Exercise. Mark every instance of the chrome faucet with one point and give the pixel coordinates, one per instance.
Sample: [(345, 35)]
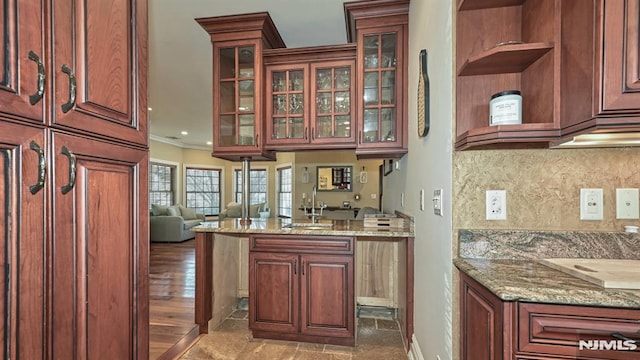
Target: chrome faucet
[(313, 215)]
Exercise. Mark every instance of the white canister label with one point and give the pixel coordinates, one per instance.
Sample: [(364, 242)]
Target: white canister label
[(506, 110)]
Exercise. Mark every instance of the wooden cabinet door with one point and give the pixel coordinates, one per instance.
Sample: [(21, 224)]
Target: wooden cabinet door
[(333, 103), (381, 101), (327, 295), (481, 323), (22, 67), (100, 246), (98, 68), (287, 102), (621, 62), (22, 227), (274, 292)]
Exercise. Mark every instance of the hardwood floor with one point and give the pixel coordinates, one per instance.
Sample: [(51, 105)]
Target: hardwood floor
[(171, 296)]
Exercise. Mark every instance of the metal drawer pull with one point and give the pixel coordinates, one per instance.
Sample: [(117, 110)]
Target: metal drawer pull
[(72, 89), (295, 267), (302, 267), (34, 98), (619, 336), (42, 168), (72, 170)]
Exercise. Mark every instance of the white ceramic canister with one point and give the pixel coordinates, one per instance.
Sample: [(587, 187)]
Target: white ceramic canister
[(505, 108)]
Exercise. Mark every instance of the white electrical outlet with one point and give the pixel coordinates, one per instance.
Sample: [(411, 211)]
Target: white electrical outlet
[(421, 199), (627, 206), (437, 202), (591, 204), (496, 204)]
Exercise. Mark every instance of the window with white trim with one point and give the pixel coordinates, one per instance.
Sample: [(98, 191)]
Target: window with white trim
[(284, 191), (257, 186), (161, 188), (202, 188)]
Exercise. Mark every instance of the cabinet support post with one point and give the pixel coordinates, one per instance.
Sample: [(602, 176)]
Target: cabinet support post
[(246, 179)]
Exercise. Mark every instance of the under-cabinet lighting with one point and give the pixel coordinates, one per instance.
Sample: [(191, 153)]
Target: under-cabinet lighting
[(600, 140)]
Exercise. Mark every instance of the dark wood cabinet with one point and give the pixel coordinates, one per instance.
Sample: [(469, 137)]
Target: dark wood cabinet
[(575, 63), (380, 30), (327, 295), (309, 94), (74, 186), (98, 69), (501, 46), (273, 292), (481, 323), (24, 240), (302, 288), (238, 81), (99, 243), (22, 61), (491, 328), (606, 74)]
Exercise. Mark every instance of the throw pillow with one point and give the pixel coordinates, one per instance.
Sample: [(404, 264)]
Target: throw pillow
[(158, 210), (254, 210), (234, 211), (173, 210), (187, 213)]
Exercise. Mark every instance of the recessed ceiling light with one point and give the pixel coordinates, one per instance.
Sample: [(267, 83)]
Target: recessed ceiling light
[(184, 133), (209, 142)]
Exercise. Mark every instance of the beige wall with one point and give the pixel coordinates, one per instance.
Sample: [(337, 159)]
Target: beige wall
[(543, 186), (182, 157), (311, 160)]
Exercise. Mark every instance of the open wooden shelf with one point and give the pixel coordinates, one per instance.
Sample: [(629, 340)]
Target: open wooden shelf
[(503, 135), (503, 59)]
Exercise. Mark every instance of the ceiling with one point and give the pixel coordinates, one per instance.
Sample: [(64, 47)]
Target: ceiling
[(180, 55)]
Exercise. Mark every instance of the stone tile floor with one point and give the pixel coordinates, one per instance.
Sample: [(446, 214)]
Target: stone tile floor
[(378, 338)]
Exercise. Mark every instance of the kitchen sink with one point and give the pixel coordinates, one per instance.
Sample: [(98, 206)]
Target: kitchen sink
[(308, 226)]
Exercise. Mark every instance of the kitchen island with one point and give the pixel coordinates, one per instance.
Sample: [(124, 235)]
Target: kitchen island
[(301, 279)]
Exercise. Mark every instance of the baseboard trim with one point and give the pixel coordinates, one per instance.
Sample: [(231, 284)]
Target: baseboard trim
[(415, 353)]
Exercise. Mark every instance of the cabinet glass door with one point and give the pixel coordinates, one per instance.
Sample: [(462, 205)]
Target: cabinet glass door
[(333, 103), (332, 106), (380, 73), (236, 98), (288, 112)]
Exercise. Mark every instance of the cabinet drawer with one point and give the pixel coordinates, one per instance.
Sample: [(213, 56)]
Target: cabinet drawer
[(302, 244), (558, 329)]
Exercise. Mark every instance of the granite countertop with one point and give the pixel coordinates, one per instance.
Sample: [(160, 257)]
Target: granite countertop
[(507, 263), (278, 226), (528, 280)]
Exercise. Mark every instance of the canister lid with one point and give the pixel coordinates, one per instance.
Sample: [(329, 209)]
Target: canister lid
[(507, 92)]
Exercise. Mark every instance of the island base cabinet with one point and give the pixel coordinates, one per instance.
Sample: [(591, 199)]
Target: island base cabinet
[(327, 295), (300, 296)]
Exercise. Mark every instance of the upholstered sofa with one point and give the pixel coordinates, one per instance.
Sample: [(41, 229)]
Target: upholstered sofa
[(173, 223), (234, 210)]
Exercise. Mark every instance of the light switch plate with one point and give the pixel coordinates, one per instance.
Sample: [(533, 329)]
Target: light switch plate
[(627, 204), (591, 204), (437, 201)]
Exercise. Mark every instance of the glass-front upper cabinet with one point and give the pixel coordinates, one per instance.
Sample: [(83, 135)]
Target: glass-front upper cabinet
[(238, 83), (332, 113), (236, 97), (380, 88), (287, 104), (310, 103), (380, 31)]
